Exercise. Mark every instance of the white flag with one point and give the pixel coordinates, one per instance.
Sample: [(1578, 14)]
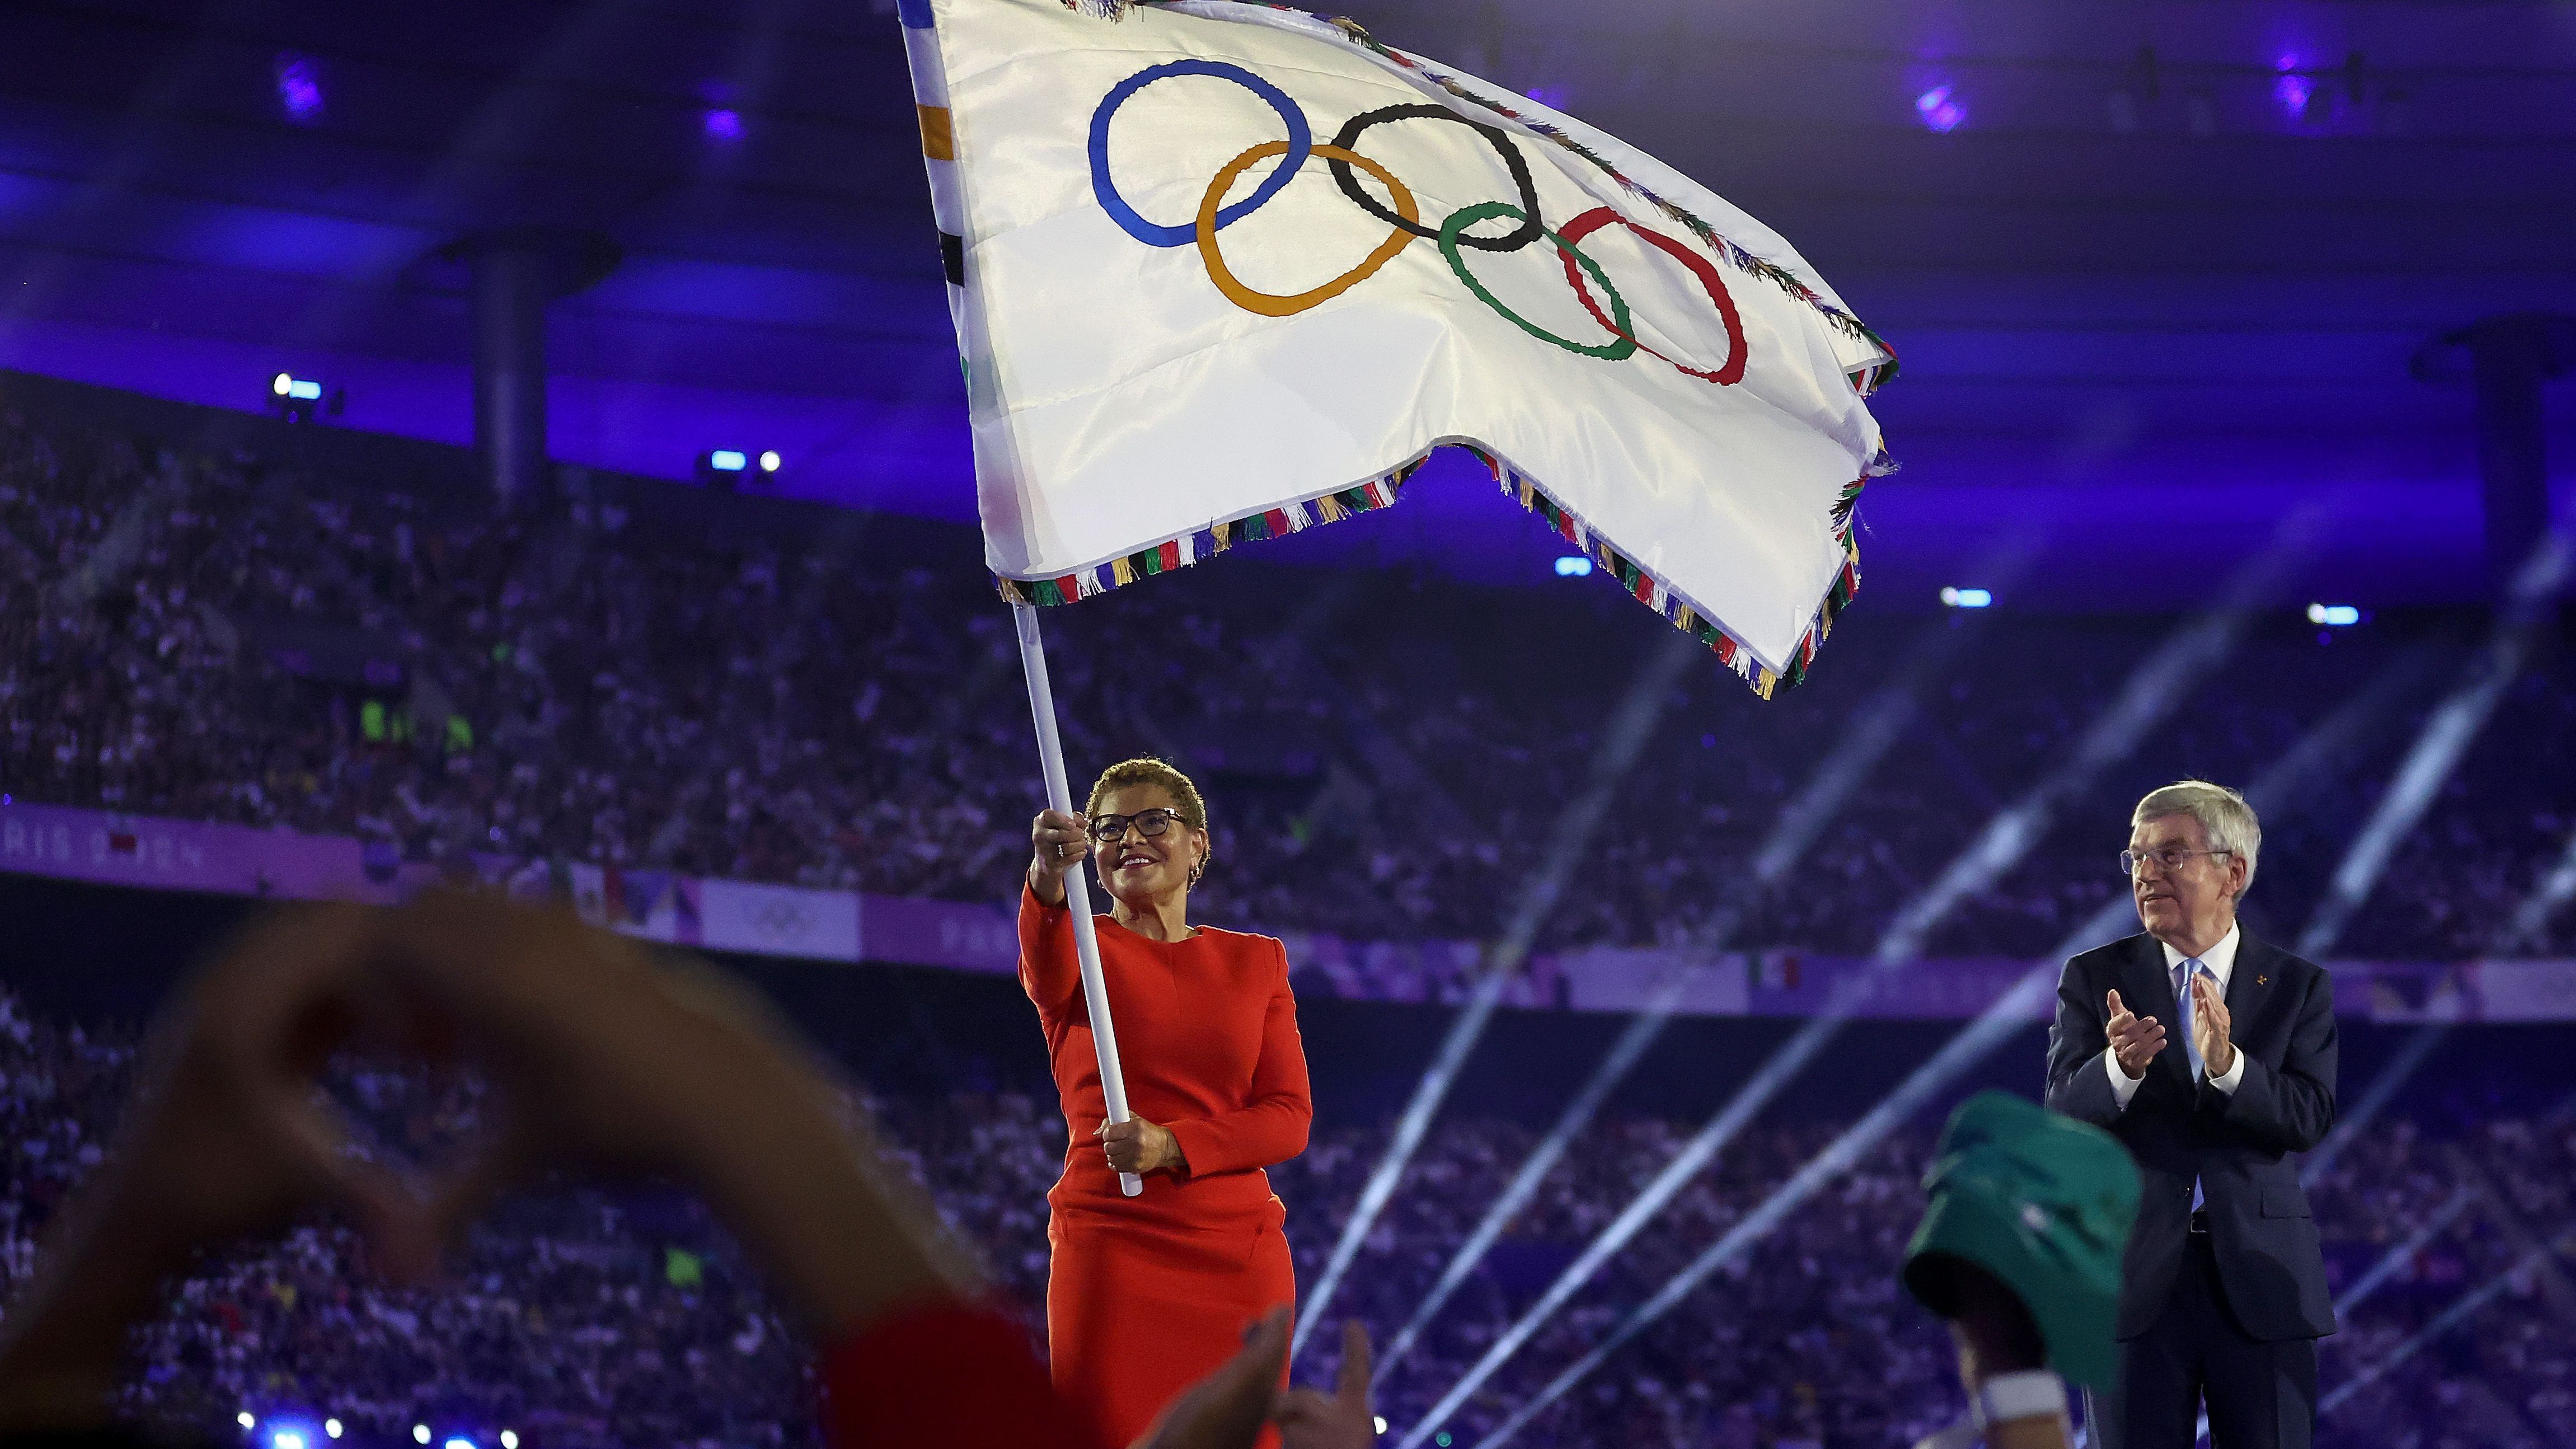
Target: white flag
[(1222, 271)]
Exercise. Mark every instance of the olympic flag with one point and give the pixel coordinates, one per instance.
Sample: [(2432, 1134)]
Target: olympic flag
[(1190, 320)]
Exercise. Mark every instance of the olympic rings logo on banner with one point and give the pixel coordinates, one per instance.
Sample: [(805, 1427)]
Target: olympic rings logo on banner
[(1583, 274)]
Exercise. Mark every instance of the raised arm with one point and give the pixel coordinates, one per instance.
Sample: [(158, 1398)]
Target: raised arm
[(1049, 972), (1271, 1127)]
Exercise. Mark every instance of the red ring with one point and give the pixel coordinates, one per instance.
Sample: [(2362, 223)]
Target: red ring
[(1700, 267)]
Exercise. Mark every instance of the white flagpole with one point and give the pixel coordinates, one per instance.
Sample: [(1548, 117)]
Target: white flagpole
[(1077, 894)]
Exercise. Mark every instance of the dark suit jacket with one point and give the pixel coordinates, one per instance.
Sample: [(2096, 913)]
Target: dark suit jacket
[(2239, 1147)]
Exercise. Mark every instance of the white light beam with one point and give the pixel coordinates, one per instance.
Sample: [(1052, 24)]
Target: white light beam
[(1630, 727), (1874, 730), (2152, 692)]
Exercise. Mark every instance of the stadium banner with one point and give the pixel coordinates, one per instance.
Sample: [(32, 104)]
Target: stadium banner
[(651, 904), (1951, 989), (826, 926), (1321, 964), (1608, 979), (185, 855), (776, 920), (1224, 271), (2527, 991), (954, 935)]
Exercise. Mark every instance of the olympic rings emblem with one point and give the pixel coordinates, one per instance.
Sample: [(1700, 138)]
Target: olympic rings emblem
[(1583, 273)]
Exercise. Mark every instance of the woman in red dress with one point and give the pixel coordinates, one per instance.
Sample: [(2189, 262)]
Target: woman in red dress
[(1147, 1295)]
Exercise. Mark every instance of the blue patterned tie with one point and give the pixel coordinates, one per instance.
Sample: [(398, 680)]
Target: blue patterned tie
[(2183, 1011), (2183, 975)]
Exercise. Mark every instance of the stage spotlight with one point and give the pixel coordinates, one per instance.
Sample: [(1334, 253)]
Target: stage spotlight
[(301, 399), (1874, 729), (285, 1439), (245, 1419), (2154, 688), (331, 1427), (299, 87), (1630, 724), (724, 125), (2443, 1322), (2334, 616), (2405, 1255), (1380, 1421), (726, 469), (420, 1433), (2293, 90), (1967, 598), (509, 1439), (1573, 566), (460, 1442), (1940, 110), (2444, 738)]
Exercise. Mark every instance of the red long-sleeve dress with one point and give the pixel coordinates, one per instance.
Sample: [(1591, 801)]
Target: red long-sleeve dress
[(1147, 1295)]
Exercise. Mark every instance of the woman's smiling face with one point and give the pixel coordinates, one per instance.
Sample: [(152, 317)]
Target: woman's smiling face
[(1137, 867)]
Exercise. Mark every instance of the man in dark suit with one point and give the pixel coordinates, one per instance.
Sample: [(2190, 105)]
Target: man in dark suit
[(2211, 1056)]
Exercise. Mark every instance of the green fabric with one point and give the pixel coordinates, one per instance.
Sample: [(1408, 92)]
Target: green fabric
[(2044, 1203)]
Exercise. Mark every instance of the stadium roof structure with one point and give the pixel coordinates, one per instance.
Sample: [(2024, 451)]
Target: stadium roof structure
[(2157, 270)]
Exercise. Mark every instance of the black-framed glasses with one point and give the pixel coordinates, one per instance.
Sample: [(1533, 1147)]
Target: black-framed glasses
[(1148, 823), (2170, 857)]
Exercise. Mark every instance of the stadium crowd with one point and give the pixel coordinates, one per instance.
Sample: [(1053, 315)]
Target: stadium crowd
[(211, 636), (585, 1316)]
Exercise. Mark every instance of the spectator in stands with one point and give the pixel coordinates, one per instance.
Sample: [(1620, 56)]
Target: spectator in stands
[(212, 637)]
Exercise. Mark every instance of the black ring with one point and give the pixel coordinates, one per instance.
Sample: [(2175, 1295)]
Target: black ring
[(1528, 231)]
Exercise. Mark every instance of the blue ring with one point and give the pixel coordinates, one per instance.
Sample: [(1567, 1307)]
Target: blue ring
[(1301, 144)]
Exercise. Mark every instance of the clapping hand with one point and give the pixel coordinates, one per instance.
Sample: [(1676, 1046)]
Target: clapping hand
[(2135, 1040), (2209, 1027)]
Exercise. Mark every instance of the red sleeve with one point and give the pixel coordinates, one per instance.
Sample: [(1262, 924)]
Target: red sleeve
[(943, 1375), (1049, 971), (1271, 1127)]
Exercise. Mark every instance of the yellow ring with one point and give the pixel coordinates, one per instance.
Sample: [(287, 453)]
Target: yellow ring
[(1265, 303)]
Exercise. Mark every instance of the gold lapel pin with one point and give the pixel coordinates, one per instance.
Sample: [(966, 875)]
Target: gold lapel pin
[(2262, 980)]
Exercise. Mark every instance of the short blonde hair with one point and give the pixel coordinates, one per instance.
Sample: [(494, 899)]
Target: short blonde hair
[(1186, 804), (2225, 819)]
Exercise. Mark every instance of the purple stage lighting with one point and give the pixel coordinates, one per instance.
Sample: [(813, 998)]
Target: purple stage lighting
[(1940, 110), (2293, 89), (299, 88), (724, 125)]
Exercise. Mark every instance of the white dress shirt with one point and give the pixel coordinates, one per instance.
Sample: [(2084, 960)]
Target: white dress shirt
[(2220, 962)]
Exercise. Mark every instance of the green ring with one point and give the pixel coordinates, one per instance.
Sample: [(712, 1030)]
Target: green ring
[(1467, 216)]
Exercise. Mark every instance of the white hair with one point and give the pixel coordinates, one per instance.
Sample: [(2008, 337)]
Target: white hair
[(2225, 819)]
